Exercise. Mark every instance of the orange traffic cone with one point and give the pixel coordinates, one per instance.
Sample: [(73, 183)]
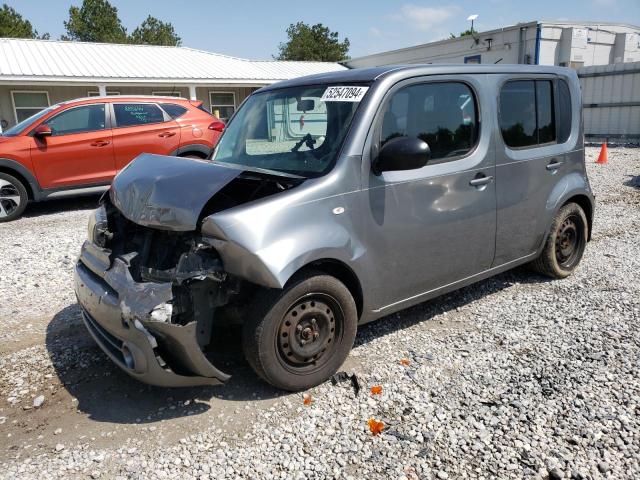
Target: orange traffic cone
[(603, 158)]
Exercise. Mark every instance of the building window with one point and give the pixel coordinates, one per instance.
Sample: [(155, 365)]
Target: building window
[(167, 94), (527, 115), (26, 104), (96, 93), (472, 59), (223, 104)]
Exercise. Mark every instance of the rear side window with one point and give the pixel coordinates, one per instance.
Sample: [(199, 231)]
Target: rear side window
[(443, 114), (88, 118), (130, 114), (527, 114), (564, 111), (173, 110)]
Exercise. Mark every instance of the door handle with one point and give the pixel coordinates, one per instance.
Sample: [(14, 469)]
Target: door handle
[(554, 165), (167, 134), (100, 143), (480, 180)]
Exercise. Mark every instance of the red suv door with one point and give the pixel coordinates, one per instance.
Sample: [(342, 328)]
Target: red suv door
[(142, 128), (79, 150)]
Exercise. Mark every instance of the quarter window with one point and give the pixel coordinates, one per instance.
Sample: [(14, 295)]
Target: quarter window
[(223, 104), (29, 103), (88, 118), (443, 114), (527, 115), (564, 111), (130, 114), (173, 110)]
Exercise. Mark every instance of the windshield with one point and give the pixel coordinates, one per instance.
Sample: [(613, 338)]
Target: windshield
[(16, 129), (295, 130)]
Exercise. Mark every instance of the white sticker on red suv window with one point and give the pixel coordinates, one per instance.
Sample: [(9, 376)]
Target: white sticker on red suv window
[(344, 94)]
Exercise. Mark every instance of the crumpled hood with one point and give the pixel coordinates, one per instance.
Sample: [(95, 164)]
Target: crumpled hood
[(168, 192)]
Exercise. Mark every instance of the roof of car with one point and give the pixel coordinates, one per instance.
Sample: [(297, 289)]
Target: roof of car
[(366, 75)]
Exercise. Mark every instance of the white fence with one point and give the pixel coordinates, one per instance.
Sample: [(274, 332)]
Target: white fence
[(611, 102)]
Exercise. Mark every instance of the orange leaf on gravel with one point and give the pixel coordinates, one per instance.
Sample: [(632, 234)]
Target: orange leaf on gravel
[(376, 389), (306, 399), (404, 361), (375, 426)]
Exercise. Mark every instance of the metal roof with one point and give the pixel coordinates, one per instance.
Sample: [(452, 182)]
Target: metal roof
[(49, 60)]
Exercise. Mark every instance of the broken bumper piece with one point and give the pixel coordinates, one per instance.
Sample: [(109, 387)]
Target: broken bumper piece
[(130, 322)]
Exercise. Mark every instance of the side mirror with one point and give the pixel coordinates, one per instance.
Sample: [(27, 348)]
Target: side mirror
[(217, 126), (42, 131), (403, 153)]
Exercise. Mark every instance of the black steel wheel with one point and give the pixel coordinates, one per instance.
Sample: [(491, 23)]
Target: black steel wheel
[(310, 332), (298, 337), (569, 241), (565, 243)]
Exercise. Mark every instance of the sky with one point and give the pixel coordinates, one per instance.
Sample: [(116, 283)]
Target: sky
[(253, 29)]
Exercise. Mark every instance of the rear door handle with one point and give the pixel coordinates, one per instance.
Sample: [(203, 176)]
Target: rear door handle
[(554, 165), (481, 180), (100, 143), (167, 134)]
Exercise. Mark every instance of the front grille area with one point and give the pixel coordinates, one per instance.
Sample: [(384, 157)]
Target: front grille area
[(108, 341)]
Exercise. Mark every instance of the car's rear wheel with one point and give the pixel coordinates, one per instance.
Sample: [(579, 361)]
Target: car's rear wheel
[(565, 244), (13, 197), (298, 337)]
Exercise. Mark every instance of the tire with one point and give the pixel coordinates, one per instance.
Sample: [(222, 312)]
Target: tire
[(193, 155), (13, 197), (297, 337), (565, 243)]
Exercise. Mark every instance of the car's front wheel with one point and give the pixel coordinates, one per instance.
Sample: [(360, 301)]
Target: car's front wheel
[(13, 197), (297, 337), (565, 244)]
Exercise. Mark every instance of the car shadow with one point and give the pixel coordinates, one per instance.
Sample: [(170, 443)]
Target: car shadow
[(48, 207), (106, 394), (634, 181)]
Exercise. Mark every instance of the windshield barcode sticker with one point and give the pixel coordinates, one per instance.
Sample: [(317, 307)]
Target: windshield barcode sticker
[(344, 94)]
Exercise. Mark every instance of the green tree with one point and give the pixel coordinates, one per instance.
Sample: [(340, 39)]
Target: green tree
[(316, 43), (155, 32), (466, 33), (12, 25), (95, 21)]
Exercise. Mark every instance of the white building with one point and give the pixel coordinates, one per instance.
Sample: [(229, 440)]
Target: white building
[(570, 44), (37, 73)]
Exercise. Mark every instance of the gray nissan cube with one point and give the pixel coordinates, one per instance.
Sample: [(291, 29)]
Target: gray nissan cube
[(331, 201)]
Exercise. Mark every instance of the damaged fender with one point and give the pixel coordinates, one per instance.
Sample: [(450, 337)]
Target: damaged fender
[(267, 242)]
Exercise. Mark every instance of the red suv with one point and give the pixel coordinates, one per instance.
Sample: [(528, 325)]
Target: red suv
[(77, 147)]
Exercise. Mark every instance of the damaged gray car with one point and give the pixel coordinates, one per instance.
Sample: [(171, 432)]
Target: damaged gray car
[(331, 201)]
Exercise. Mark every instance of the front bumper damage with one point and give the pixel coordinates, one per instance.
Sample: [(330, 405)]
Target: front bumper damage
[(131, 320)]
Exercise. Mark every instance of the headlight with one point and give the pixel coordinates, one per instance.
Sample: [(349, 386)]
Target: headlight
[(98, 228)]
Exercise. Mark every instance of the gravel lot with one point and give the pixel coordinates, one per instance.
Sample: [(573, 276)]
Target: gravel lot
[(514, 377)]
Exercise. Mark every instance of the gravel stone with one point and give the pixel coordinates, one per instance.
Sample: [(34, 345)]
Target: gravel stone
[(513, 377)]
